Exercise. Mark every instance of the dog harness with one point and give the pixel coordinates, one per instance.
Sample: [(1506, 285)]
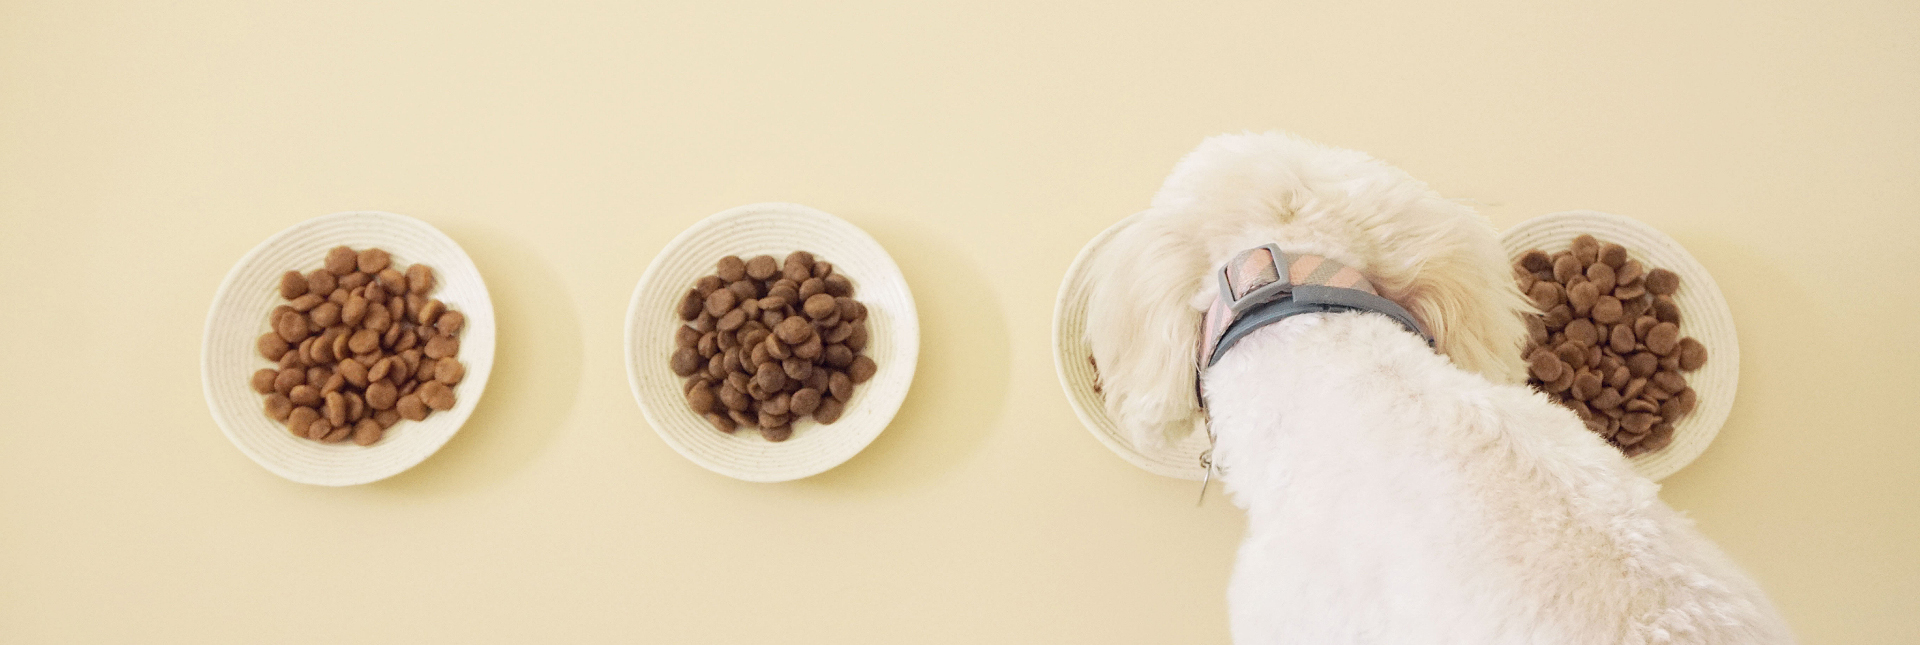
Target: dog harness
[(1264, 285)]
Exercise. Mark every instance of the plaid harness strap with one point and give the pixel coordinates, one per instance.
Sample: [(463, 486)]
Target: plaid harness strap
[(1264, 285)]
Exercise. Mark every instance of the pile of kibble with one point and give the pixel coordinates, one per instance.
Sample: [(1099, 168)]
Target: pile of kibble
[(1608, 345), (768, 342), (359, 346)]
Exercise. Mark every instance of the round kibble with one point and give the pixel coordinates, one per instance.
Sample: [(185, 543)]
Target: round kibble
[(321, 283), (292, 285), (450, 322), (1663, 338), (1601, 276), (411, 407), (778, 434), (1607, 309), (829, 411), (419, 280), (731, 268), (1661, 282), (341, 260), (278, 406), (820, 305), (861, 369), (373, 260), (1693, 354), (762, 267), (793, 330)]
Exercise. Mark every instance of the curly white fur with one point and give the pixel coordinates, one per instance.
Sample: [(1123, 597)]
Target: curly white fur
[(1394, 495)]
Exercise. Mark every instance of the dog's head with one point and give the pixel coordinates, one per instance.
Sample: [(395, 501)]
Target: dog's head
[(1438, 259)]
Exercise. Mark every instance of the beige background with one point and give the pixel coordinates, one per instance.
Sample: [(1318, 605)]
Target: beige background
[(145, 147)]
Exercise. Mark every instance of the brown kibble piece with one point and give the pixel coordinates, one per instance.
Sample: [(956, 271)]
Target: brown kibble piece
[(442, 347), (1643, 364), (419, 280), (305, 395), (292, 285), (720, 302), (776, 434), (861, 369), (354, 373), (1670, 382), (1693, 354), (685, 361), (373, 261), (318, 429), (762, 267), (386, 418), (820, 305), (1586, 385), (300, 419), (700, 398), (812, 287), (382, 395), (1582, 331), (1665, 310), (1607, 310), (732, 320), (1585, 248), (1535, 261), (1613, 255), (1607, 399), (1601, 276), (278, 406), (436, 395), (838, 285), (1581, 297), (292, 329), (1544, 365), (1545, 295), (792, 331), (1661, 282), (692, 305), (271, 345), (721, 422), (334, 408), (363, 341), (770, 377), (449, 371), (321, 283), (1565, 268), (411, 407), (838, 356), (1621, 340), (263, 380), (1663, 338), (731, 268), (367, 432), (829, 411), (450, 322), (840, 386), (340, 260)]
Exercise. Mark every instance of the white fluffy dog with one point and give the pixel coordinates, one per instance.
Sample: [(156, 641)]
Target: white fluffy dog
[(1395, 492)]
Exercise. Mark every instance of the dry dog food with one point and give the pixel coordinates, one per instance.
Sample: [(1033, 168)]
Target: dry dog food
[(1608, 345), (767, 342), (358, 346)]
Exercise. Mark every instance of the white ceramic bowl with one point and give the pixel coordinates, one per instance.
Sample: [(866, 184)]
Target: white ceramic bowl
[(1703, 315), (772, 229), (1071, 355), (228, 357)]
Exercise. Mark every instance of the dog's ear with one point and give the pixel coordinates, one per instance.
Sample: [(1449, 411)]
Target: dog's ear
[(1463, 291), (1143, 327)]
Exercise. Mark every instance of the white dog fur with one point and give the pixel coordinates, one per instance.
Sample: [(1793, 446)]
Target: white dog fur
[(1393, 494)]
